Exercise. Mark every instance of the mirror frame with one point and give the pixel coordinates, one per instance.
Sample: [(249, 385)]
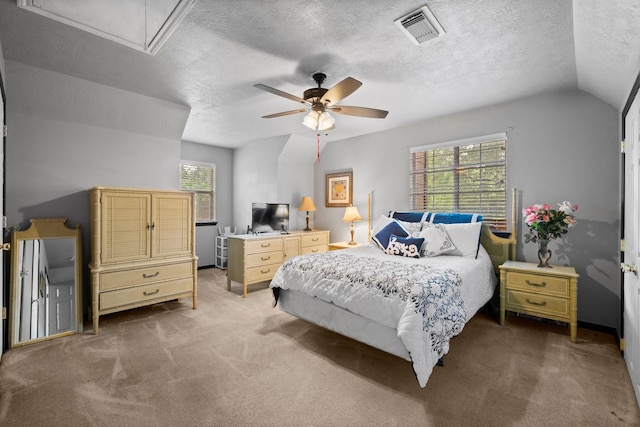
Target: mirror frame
[(44, 228)]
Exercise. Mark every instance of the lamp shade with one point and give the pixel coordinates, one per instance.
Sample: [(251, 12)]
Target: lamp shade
[(307, 204), (351, 214)]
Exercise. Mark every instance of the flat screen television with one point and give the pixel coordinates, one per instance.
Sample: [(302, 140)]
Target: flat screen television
[(269, 217)]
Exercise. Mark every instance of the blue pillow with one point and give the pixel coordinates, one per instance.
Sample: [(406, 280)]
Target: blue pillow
[(408, 247), (454, 218), (382, 237), (410, 216)]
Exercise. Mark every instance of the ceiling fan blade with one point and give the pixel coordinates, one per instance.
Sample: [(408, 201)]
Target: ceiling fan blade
[(285, 113), (360, 111), (281, 93), (341, 90)]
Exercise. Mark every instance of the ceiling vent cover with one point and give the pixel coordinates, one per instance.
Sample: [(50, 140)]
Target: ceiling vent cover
[(420, 25)]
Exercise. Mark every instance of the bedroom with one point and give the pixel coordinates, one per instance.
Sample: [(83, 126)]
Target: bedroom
[(68, 133)]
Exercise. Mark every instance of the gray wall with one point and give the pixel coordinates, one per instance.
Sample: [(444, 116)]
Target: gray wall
[(561, 146), (223, 159)]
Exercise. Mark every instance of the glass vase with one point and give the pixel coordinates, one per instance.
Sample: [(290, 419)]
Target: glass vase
[(544, 253)]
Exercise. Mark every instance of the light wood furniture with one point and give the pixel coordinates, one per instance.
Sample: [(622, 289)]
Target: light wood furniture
[(342, 245), (142, 248), (550, 293), (255, 258)]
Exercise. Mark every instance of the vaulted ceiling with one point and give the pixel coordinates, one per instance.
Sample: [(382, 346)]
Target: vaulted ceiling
[(492, 51)]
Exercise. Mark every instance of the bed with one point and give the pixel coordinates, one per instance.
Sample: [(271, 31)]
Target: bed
[(405, 303)]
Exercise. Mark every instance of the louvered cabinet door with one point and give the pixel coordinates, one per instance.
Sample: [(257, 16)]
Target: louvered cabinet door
[(171, 225), (125, 227)]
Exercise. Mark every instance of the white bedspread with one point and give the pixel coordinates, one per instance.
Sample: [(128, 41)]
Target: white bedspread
[(427, 300)]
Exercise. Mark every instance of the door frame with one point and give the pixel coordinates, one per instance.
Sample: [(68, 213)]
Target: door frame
[(4, 255)]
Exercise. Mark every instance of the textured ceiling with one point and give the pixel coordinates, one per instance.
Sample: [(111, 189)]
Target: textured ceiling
[(493, 51)]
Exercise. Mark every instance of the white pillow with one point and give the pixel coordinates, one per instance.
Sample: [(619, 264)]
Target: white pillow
[(436, 240), (466, 238), (380, 225), (413, 228)]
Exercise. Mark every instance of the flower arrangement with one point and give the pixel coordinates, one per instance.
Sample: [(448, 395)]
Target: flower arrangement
[(545, 223)]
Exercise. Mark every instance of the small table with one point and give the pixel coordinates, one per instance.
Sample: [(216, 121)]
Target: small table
[(550, 293), (342, 245)]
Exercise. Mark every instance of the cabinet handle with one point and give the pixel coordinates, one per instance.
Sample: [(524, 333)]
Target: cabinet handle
[(314, 239), (265, 245), (265, 259), (540, 285), (153, 225), (314, 250), (146, 294), (265, 271), (541, 304), (148, 276)]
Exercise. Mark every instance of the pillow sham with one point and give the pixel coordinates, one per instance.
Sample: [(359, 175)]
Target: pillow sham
[(383, 230), (413, 228), (436, 240), (403, 246), (465, 237), (409, 216), (453, 218)]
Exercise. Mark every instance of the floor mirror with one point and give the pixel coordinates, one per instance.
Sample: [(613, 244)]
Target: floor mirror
[(46, 282)]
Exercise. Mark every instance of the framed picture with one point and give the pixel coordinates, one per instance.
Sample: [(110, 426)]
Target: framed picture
[(339, 189)]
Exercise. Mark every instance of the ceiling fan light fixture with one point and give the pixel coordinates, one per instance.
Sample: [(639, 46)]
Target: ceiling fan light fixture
[(326, 121), (311, 120)]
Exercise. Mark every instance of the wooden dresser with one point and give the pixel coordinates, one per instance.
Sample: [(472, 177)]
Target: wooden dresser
[(142, 248), (550, 293), (255, 258)]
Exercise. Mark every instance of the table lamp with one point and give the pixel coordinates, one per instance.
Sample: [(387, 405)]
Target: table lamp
[(351, 214), (307, 205)]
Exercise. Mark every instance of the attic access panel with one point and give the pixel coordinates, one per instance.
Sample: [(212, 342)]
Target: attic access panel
[(137, 24)]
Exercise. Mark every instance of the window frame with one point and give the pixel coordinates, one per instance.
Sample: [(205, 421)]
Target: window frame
[(498, 219), (214, 202)]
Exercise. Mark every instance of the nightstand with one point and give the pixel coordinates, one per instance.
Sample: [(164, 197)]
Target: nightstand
[(342, 245), (550, 293)]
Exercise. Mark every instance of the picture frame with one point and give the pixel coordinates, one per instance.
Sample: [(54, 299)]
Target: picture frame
[(339, 187)]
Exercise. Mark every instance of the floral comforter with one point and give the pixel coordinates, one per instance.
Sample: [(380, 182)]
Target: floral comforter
[(422, 302)]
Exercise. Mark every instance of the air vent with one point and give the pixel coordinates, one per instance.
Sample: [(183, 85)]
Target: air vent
[(420, 25)]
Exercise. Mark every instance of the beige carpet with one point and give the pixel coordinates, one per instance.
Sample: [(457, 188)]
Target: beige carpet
[(235, 362)]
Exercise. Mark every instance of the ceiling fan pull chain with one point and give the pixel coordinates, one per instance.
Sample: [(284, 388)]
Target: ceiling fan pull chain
[(318, 140)]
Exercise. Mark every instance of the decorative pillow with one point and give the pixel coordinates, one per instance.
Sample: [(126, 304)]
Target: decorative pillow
[(453, 218), (466, 238), (413, 228), (436, 240), (409, 247), (382, 235), (410, 216)]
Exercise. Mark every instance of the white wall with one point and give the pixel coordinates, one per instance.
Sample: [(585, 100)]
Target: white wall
[(561, 146)]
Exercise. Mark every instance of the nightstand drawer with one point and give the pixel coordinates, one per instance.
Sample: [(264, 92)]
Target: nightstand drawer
[(548, 285), (528, 303), (314, 249)]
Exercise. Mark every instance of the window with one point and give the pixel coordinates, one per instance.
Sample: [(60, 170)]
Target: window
[(467, 176), (200, 178)]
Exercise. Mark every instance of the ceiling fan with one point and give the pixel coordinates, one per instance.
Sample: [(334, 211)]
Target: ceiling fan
[(319, 101)]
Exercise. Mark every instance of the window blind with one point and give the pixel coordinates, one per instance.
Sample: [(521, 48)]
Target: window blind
[(199, 178)]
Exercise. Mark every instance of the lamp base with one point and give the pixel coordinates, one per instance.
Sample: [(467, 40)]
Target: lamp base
[(308, 228), (353, 242)]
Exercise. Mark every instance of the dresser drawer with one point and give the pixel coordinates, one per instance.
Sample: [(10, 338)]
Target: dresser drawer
[(314, 249), (262, 273), (265, 258), (529, 303), (314, 240), (137, 294), (138, 276), (260, 246), (548, 285)]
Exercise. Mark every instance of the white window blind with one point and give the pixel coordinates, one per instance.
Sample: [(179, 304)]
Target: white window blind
[(200, 179), (467, 176)]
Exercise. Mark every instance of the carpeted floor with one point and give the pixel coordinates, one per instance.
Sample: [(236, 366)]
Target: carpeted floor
[(236, 362)]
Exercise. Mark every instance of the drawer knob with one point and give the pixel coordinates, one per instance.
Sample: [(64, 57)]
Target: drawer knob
[(541, 304), (146, 294), (540, 285), (148, 276)]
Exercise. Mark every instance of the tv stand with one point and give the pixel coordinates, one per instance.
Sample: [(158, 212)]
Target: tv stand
[(256, 258)]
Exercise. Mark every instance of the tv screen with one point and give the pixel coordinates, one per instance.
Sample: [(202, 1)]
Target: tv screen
[(268, 217)]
